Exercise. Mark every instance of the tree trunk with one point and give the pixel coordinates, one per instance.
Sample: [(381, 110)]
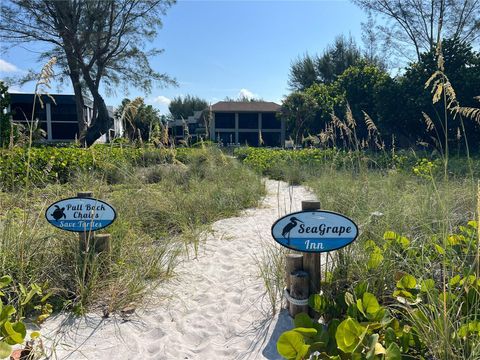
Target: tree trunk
[(101, 123), (80, 104), (66, 26)]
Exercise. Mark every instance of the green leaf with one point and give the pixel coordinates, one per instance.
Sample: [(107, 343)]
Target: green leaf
[(349, 335), (16, 332), (318, 302), (375, 260), (369, 306), (407, 282), (360, 289), (390, 336), (403, 241), (7, 311), (291, 345), (372, 341), (455, 280), (303, 320), (390, 235), (427, 285), (5, 350), (306, 332), (440, 249), (5, 280), (34, 335), (393, 352)]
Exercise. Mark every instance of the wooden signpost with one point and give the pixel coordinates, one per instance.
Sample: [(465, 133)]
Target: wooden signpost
[(312, 232), (85, 215)]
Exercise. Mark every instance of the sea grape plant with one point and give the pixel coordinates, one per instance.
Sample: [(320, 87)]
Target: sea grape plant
[(357, 326), (13, 330)]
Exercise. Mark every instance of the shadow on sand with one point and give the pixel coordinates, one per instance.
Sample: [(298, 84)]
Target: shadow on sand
[(283, 324)]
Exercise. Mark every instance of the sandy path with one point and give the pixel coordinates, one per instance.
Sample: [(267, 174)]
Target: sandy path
[(216, 308)]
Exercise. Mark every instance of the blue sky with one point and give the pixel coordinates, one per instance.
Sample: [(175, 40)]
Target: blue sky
[(225, 48)]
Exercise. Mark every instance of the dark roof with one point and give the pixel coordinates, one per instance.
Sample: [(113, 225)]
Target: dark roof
[(254, 106)]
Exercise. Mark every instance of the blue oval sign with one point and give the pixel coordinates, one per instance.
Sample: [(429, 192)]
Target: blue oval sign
[(80, 214), (314, 231)]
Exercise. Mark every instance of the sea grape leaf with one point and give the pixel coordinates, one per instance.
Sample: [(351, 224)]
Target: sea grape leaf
[(349, 335), (318, 302), (393, 352), (390, 235), (16, 332), (440, 249), (291, 345), (360, 289), (473, 224), (369, 306), (303, 320), (455, 280), (403, 241), (407, 282), (5, 280), (427, 285), (306, 332), (375, 260), (5, 350), (372, 341)]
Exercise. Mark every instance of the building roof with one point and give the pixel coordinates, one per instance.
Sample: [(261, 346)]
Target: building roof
[(246, 106), (59, 98)]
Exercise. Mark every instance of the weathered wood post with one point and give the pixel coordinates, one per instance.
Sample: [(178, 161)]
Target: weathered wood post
[(293, 262), (85, 237), (312, 261), (89, 240), (298, 293)]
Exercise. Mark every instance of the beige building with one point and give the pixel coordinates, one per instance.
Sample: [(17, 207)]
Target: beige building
[(254, 123)]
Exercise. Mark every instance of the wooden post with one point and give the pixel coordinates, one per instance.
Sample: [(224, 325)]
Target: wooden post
[(102, 243), (85, 237), (298, 291), (293, 262), (312, 261)]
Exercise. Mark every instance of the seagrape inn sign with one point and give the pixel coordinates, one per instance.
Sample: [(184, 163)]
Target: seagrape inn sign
[(314, 231), (80, 214)]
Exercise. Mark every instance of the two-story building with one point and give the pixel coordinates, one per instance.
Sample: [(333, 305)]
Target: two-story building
[(254, 123), (57, 118)]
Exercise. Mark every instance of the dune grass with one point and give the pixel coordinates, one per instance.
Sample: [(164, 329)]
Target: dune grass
[(162, 212)]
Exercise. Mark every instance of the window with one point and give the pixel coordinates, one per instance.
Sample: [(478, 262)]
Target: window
[(248, 138), (271, 139), (270, 121), (248, 121), (225, 120), (64, 112), (64, 131)]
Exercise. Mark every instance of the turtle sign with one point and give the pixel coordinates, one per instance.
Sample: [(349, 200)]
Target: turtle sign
[(80, 214), (314, 231)]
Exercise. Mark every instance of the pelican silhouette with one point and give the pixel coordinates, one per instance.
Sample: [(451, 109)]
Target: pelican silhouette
[(288, 228)]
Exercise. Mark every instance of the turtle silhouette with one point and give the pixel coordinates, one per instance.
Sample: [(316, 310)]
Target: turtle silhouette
[(58, 213)]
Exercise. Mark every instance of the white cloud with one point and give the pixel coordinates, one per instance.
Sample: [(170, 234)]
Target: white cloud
[(162, 100), (7, 67), (246, 94), (15, 90)]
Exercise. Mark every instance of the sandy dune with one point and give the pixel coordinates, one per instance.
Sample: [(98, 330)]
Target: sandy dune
[(215, 306)]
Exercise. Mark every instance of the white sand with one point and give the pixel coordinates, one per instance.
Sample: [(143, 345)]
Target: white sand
[(216, 307)]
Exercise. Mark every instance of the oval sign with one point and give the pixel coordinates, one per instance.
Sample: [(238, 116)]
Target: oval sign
[(80, 214), (314, 231)]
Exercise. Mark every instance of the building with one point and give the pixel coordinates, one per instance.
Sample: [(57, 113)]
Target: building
[(253, 123), (193, 126), (58, 119)]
